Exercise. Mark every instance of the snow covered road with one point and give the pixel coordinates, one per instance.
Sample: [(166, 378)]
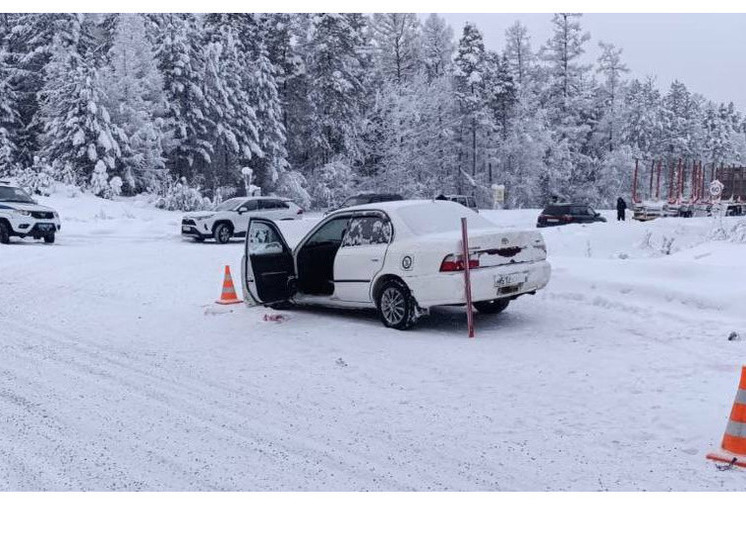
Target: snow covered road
[(118, 373)]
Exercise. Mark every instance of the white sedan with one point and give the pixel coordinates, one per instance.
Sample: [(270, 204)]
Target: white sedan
[(399, 257), (231, 218)]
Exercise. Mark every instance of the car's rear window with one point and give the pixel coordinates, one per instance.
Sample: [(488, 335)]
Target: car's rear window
[(556, 210), (440, 217)]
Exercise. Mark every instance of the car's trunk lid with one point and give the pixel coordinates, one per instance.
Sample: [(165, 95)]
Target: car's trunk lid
[(497, 247)]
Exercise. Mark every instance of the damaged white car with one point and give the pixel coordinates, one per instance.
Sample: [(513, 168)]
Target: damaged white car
[(401, 258)]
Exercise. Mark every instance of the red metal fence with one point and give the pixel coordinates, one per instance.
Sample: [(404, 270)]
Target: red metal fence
[(686, 181)]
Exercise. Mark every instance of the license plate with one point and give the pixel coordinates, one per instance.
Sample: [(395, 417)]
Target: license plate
[(510, 279), (186, 228), (552, 219), (45, 226)]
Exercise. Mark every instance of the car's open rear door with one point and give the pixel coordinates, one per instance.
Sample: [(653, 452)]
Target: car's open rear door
[(268, 263)]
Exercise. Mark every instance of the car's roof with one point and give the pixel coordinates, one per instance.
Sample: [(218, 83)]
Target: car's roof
[(390, 205), (567, 204), (259, 198), (393, 210), (394, 206)]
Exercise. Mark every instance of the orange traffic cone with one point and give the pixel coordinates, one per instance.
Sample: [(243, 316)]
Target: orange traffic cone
[(733, 448), (228, 296)]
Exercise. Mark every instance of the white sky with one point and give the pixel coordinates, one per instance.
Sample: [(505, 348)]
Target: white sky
[(705, 51)]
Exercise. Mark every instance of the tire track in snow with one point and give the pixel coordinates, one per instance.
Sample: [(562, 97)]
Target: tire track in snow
[(173, 396), (423, 471)]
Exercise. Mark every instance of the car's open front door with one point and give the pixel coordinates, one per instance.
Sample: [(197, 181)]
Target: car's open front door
[(268, 263)]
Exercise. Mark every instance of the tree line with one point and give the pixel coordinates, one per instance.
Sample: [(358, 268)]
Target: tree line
[(319, 106)]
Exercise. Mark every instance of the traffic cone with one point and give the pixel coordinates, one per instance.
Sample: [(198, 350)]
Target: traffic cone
[(228, 296), (733, 446)]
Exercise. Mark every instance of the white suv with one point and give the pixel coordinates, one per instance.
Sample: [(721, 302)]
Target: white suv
[(231, 218), (21, 216)]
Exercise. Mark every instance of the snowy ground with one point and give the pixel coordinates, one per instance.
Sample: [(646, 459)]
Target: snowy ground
[(118, 373)]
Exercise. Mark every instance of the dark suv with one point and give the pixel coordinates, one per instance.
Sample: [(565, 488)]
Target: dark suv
[(562, 214)]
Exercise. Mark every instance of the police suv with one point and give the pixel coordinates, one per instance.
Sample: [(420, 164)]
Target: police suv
[(21, 216)]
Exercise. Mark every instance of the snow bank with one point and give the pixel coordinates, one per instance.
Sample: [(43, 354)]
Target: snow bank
[(664, 265)]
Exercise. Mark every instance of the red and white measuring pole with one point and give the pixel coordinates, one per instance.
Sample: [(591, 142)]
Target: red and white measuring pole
[(467, 276)]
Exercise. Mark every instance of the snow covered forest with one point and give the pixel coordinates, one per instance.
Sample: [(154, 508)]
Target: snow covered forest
[(320, 106)]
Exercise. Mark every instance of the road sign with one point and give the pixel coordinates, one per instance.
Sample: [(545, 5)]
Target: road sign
[(716, 188)]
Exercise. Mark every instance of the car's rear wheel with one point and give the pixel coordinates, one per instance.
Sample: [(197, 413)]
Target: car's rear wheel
[(492, 307), (49, 238), (396, 306), (222, 233), (4, 233)]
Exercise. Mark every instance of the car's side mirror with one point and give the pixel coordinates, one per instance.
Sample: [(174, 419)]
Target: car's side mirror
[(242, 210)]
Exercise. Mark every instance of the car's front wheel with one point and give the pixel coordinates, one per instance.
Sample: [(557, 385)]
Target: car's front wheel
[(492, 307), (4, 233), (222, 233), (49, 238), (396, 306)]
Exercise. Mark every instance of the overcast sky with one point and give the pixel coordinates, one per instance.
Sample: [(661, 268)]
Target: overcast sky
[(705, 51)]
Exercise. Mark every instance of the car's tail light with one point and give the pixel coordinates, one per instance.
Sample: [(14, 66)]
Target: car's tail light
[(300, 211), (455, 263)]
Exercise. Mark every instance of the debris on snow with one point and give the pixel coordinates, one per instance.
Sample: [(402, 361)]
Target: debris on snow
[(729, 466), (214, 309)]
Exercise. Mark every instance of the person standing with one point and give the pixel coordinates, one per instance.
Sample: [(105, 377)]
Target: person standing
[(621, 208)]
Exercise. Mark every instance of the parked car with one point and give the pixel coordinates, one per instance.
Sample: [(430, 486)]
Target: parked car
[(21, 216), (727, 208), (401, 258), (647, 211), (231, 218), (563, 214), (467, 201), (367, 198)]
